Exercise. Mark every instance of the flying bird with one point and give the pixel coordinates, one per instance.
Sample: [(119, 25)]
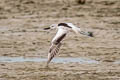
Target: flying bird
[(63, 29)]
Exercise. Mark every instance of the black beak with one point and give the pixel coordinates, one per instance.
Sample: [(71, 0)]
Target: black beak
[(90, 34), (46, 28)]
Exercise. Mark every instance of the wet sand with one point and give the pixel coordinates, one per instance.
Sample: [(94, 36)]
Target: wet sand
[(22, 35), (69, 71)]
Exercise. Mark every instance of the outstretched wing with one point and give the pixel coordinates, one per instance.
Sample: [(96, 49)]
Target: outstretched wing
[(74, 28), (54, 49), (78, 30)]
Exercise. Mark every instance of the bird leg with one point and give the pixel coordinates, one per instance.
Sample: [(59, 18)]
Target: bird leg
[(87, 33)]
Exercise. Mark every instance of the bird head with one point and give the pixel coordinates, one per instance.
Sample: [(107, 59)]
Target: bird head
[(53, 26)]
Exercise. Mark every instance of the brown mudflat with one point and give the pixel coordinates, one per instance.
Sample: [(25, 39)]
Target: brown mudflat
[(22, 34)]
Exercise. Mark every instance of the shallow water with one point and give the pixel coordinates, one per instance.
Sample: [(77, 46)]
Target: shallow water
[(117, 62), (55, 60)]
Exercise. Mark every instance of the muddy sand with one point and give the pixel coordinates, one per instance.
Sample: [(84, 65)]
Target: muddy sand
[(22, 35)]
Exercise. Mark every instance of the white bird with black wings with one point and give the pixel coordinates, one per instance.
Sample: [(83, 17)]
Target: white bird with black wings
[(63, 29)]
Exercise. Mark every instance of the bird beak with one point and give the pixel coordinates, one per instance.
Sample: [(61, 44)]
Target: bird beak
[(46, 28), (90, 34)]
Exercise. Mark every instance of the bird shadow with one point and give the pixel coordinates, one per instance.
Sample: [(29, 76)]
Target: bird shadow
[(48, 68)]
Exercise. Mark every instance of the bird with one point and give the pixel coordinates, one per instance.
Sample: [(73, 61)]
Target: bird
[(62, 30)]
